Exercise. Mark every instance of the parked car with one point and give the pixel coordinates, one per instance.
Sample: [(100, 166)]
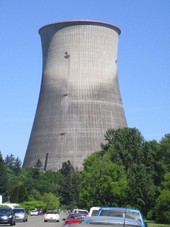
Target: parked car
[(51, 216), (21, 214), (106, 221), (73, 218), (34, 212), (7, 216), (126, 213)]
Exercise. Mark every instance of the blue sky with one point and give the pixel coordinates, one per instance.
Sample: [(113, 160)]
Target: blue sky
[(143, 62)]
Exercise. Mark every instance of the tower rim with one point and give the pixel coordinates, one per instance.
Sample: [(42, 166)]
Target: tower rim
[(82, 22)]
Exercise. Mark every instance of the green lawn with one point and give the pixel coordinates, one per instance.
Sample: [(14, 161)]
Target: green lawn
[(151, 224)]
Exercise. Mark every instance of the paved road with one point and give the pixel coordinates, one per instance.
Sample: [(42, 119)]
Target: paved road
[(38, 221)]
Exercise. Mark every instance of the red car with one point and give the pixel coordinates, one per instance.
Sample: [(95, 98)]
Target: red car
[(73, 218)]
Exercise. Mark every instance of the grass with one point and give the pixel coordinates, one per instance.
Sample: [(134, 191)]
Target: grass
[(152, 224)]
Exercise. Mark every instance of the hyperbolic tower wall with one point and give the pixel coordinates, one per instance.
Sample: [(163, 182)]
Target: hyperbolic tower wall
[(79, 98)]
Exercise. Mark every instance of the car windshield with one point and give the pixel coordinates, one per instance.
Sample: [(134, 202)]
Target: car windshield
[(83, 212), (112, 213), (74, 216), (51, 212), (18, 210), (121, 213), (5, 210)]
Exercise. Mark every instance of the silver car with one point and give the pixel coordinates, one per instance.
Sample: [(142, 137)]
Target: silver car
[(20, 214)]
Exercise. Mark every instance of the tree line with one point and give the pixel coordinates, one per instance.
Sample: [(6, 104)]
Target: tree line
[(128, 171)]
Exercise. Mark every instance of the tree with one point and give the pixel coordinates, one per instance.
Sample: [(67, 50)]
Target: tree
[(14, 164), (36, 170), (18, 193), (162, 208), (141, 189), (31, 205), (103, 183), (51, 202), (128, 144), (69, 188), (152, 158), (3, 178), (127, 147), (165, 151), (52, 179)]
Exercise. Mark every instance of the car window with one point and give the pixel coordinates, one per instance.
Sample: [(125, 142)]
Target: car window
[(112, 213), (3, 211), (133, 215), (83, 212), (18, 210), (94, 213)]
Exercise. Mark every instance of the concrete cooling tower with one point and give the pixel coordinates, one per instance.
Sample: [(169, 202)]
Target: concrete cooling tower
[(79, 97)]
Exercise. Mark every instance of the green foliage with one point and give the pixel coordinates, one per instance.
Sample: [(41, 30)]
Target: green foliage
[(144, 167), (51, 202), (34, 195), (18, 193), (141, 190), (153, 224), (13, 164), (128, 171), (31, 205), (162, 209), (152, 158), (69, 187), (165, 184), (103, 183), (3, 177), (4, 206), (52, 179), (165, 152), (127, 147)]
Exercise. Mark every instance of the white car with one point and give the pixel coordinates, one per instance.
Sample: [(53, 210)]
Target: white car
[(51, 216), (34, 212)]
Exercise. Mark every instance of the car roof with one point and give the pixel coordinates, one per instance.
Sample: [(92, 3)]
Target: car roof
[(110, 220), (119, 208), (5, 208)]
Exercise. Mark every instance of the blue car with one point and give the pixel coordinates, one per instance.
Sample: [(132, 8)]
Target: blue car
[(119, 212), (108, 221), (7, 216)]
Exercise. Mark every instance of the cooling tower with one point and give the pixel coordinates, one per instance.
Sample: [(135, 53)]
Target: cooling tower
[(79, 97)]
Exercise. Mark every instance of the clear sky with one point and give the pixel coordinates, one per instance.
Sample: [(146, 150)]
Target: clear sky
[(143, 62)]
